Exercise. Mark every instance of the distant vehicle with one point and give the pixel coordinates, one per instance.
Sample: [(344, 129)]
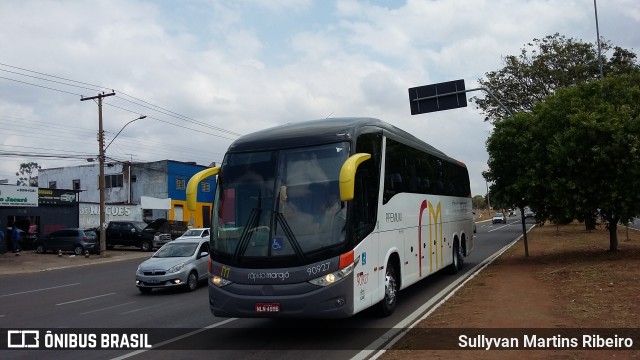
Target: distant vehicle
[(174, 228), (529, 214), (498, 218), (136, 233), (195, 233), (180, 263), (76, 240)]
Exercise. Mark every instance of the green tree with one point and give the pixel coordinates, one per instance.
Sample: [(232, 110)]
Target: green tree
[(478, 202), (510, 160), (28, 175), (544, 66), (592, 137), (577, 154)]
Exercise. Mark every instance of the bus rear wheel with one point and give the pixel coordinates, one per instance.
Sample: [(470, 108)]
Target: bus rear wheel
[(388, 303), (458, 259)]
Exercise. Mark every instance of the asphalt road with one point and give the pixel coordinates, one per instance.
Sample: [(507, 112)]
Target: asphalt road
[(104, 296)]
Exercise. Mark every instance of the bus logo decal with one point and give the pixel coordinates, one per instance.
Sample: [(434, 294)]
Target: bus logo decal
[(362, 278), (364, 258), (225, 271), (435, 219), (435, 224)]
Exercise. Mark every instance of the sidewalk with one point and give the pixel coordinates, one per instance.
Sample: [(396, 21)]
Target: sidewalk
[(29, 261)]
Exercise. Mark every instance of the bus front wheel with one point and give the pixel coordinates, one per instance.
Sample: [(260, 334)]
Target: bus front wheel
[(388, 303)]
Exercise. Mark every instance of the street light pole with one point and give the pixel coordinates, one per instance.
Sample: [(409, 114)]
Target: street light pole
[(488, 199), (595, 8), (101, 158), (103, 225), (105, 149), (125, 125), (101, 182)]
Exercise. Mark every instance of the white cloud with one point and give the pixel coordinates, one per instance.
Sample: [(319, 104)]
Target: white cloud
[(246, 65)]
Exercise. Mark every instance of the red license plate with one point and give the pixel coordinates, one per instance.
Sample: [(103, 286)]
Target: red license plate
[(267, 307)]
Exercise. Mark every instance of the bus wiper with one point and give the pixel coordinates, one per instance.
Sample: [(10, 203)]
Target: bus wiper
[(252, 222), (292, 238)]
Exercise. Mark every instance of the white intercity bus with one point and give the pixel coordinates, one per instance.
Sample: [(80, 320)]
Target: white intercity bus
[(326, 218)]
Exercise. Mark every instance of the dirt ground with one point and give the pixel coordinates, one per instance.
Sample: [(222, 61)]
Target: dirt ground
[(569, 281)]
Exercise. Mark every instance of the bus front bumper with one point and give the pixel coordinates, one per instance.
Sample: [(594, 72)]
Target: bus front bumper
[(285, 301)]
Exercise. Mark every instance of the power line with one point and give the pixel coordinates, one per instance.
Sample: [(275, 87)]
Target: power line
[(40, 86), (61, 133), (171, 113), (168, 122), (148, 105), (43, 155), (43, 79), (53, 76), (48, 133)]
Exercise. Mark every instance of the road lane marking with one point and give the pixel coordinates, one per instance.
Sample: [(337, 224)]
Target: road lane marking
[(89, 298), (107, 308), (498, 228), (503, 226), (169, 341), (147, 307), (36, 290)]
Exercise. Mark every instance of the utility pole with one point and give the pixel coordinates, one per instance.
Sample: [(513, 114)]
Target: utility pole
[(101, 182)]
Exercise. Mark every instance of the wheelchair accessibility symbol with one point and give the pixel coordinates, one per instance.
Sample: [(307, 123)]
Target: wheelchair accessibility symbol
[(277, 243)]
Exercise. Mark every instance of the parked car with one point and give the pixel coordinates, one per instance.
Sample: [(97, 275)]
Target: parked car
[(498, 218), (72, 239), (174, 228), (180, 263), (136, 233), (195, 233), (529, 214)]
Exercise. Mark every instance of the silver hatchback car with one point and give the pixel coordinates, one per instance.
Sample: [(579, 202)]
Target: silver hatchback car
[(180, 263)]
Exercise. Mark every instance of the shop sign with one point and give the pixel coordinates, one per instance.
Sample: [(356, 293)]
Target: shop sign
[(18, 196), (56, 197)]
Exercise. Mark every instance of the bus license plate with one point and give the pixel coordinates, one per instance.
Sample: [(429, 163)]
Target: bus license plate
[(267, 308)]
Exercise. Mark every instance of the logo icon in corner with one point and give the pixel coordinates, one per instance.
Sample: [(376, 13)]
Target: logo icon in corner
[(23, 339)]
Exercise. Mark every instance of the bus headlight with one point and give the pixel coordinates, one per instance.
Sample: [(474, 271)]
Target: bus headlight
[(219, 281), (333, 277)]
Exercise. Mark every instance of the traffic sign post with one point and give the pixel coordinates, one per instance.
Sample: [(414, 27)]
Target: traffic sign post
[(437, 97)]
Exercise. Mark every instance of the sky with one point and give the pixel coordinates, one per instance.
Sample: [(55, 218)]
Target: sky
[(204, 72)]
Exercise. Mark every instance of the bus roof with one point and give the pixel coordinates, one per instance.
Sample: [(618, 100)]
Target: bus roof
[(323, 131)]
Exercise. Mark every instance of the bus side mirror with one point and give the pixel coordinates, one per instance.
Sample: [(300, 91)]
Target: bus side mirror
[(192, 186), (348, 175)]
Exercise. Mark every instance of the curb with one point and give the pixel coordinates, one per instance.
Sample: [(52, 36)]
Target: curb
[(28, 264)]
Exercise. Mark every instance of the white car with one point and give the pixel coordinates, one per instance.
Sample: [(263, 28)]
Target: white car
[(67, 197), (180, 263), (195, 233), (499, 218)]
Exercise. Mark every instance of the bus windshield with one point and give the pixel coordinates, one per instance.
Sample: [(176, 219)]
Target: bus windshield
[(284, 203)]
